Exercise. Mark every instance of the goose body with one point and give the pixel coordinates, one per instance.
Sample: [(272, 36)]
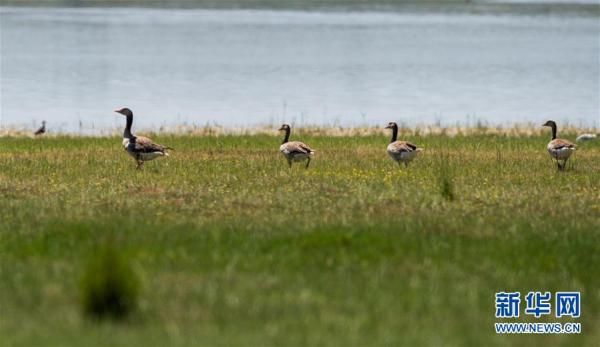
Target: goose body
[(402, 152), (140, 148), (294, 150), (143, 149), (559, 149)]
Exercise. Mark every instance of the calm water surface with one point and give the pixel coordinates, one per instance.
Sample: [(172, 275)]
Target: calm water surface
[(72, 67)]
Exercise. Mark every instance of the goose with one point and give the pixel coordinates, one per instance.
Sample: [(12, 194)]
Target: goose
[(41, 130), (401, 151), (295, 150), (559, 149), (586, 137), (140, 148)]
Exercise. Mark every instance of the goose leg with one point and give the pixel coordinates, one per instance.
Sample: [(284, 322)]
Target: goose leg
[(139, 164), (406, 164), (307, 163), (290, 163), (557, 162)]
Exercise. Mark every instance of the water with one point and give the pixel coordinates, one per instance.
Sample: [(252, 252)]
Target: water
[(72, 67)]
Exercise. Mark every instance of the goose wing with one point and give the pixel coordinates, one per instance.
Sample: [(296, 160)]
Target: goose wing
[(145, 145), (560, 144), (298, 147), (402, 146)]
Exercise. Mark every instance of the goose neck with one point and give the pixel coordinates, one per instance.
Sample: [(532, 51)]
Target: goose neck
[(394, 134), (127, 133), (287, 136)]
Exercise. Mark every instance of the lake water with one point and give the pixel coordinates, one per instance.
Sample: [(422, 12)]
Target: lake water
[(72, 67)]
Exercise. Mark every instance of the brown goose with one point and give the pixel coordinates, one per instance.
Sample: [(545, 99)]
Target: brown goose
[(140, 148), (400, 151), (295, 150), (41, 130), (559, 149)]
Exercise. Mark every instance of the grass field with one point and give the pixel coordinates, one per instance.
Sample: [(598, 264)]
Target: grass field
[(230, 247)]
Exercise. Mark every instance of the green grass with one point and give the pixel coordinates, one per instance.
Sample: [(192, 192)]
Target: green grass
[(230, 247)]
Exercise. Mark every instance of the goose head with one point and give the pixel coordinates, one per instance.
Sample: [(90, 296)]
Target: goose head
[(129, 115), (392, 125), (288, 130), (125, 111)]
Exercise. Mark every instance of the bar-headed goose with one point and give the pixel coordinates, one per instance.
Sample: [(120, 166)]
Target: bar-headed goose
[(140, 148), (295, 150), (41, 130), (401, 151), (559, 149)]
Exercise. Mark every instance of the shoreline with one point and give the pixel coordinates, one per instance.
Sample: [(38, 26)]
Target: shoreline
[(454, 6), (515, 130)]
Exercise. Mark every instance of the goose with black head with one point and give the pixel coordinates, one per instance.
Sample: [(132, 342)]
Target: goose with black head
[(402, 152), (294, 150), (139, 147), (559, 149)]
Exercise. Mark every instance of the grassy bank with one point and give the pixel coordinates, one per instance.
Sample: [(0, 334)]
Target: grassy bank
[(232, 248)]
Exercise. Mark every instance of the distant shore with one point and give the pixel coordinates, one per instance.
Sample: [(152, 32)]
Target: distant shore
[(458, 6), (516, 130)]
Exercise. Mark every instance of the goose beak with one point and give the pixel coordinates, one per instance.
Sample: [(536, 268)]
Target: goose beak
[(118, 111)]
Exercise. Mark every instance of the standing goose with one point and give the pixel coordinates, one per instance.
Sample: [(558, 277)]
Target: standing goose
[(295, 150), (559, 149), (140, 148), (41, 130), (401, 151)]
